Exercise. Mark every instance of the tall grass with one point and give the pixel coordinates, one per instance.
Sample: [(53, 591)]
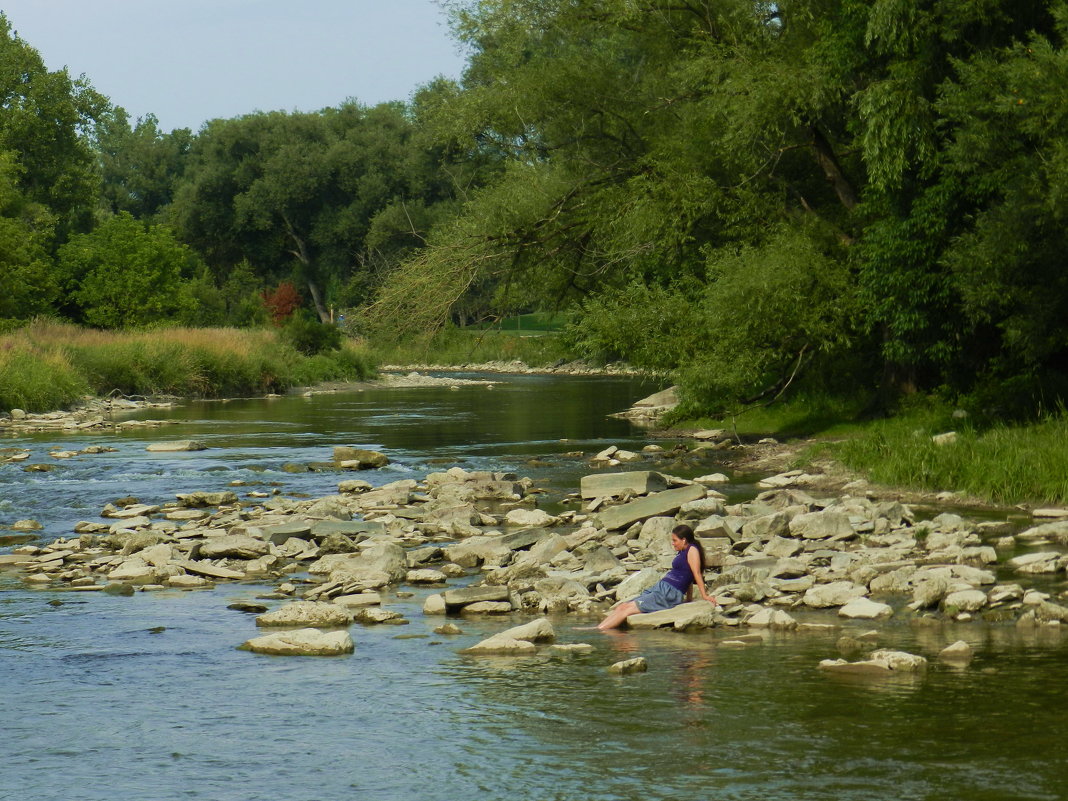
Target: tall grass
[(1004, 463), (458, 346), (47, 365)]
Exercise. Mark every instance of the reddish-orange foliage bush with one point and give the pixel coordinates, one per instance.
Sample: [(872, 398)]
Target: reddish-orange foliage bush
[(281, 301)]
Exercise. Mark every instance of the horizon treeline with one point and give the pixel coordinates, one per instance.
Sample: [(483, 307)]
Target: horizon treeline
[(860, 197)]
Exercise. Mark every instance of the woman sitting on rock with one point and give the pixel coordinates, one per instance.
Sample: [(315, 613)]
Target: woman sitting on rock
[(687, 569)]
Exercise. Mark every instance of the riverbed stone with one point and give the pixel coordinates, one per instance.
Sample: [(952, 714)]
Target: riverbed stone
[(657, 504), (964, 601), (882, 662), (434, 605), (307, 613), (302, 642), (233, 546), (462, 596), (425, 576), (357, 600), (692, 615), (1036, 563), (187, 582), (957, 653), (198, 499), (637, 482), (628, 666), (865, 609), (825, 525), (359, 458), (835, 593), (637, 583), (771, 619), (176, 446), (559, 594), (529, 518), (134, 570)]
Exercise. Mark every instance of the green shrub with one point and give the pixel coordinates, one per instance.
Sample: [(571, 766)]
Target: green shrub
[(311, 337)]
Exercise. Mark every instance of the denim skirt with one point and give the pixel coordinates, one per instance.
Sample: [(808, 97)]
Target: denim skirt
[(660, 596)]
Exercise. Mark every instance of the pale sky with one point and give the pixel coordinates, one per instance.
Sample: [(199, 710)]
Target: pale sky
[(188, 61)]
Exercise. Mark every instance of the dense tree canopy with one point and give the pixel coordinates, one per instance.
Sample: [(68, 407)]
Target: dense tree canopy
[(858, 193)]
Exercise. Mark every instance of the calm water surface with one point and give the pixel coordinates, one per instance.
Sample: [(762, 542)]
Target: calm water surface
[(101, 704)]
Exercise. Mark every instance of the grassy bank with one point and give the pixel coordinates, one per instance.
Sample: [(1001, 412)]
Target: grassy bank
[(49, 365), (1008, 464), (455, 346)]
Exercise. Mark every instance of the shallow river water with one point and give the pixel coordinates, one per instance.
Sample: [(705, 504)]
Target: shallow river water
[(147, 697)]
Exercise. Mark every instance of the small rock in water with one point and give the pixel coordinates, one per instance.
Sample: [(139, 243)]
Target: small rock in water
[(247, 606), (628, 666)]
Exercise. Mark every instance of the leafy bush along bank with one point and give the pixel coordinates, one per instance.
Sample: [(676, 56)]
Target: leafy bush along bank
[(49, 365)]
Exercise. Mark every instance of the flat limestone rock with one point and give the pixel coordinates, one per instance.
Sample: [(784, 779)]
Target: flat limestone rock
[(637, 482), (661, 503), (208, 569), (358, 600), (865, 609), (487, 608), (307, 613), (302, 642), (176, 446), (502, 646), (695, 614), (470, 595), (234, 546)]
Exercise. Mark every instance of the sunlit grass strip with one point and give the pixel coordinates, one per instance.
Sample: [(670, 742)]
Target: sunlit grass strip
[(1006, 464), (48, 365)]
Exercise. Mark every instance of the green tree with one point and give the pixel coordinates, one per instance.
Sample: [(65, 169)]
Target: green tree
[(28, 284), (298, 194), (126, 274), (140, 165), (47, 119)]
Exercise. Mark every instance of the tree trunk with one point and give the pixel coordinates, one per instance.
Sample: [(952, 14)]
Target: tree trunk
[(305, 258), (832, 170)]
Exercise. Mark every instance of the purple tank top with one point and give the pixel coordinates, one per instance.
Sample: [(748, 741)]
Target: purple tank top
[(680, 576)]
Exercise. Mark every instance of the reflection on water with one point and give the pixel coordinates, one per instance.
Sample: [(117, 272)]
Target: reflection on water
[(147, 697)]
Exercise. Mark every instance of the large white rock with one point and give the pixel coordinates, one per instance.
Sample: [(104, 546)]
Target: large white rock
[(821, 526), (1031, 563), (771, 619), (637, 583), (516, 641), (695, 614), (307, 613), (965, 600), (836, 593), (302, 642), (865, 609), (233, 546), (529, 518)]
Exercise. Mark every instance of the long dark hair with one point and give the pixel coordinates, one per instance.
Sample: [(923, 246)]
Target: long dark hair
[(684, 532)]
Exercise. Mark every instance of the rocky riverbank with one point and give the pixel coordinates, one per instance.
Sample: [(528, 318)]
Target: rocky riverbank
[(787, 561)]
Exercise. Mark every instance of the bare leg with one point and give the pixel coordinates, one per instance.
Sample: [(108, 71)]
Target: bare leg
[(618, 615)]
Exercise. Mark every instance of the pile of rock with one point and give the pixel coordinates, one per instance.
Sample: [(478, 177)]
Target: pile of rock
[(781, 554)]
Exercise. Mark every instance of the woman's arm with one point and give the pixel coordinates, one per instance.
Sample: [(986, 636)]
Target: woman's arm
[(693, 559)]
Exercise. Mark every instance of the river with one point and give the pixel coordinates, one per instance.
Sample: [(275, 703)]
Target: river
[(146, 697)]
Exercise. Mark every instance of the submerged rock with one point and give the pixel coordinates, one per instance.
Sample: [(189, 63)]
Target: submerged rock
[(302, 642)]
